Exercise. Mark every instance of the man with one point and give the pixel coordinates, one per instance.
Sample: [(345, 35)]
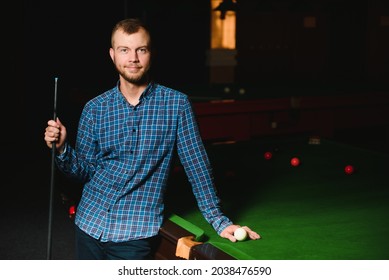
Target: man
[(125, 144)]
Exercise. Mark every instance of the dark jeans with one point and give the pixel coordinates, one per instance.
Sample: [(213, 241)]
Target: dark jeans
[(89, 248)]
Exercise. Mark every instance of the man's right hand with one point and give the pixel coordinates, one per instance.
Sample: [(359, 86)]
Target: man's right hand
[(55, 132)]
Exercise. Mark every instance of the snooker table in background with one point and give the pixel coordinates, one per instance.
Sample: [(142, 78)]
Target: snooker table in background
[(314, 211)]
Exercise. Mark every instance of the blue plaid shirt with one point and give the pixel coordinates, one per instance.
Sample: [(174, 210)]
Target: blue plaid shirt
[(123, 154)]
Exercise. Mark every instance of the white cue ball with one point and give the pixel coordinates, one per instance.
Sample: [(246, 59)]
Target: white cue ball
[(240, 234)]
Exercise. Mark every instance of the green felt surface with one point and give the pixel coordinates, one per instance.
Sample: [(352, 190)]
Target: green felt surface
[(186, 224), (310, 212)]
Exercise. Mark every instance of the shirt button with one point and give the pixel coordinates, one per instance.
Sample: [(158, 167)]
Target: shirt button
[(133, 130)]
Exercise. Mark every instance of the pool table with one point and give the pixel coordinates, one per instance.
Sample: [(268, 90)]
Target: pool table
[(313, 211)]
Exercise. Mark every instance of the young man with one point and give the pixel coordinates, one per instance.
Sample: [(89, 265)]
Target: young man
[(125, 144)]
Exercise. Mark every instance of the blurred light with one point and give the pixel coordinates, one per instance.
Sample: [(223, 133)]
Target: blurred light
[(225, 6)]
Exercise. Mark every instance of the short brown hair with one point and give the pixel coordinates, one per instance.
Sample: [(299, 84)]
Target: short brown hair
[(130, 26)]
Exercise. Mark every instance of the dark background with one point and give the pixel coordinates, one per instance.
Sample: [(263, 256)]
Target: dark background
[(70, 40), (44, 39)]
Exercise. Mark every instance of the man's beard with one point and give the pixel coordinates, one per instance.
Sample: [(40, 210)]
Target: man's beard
[(138, 80)]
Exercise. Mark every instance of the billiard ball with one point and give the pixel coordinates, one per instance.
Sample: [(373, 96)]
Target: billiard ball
[(242, 91), (240, 234), (72, 211), (349, 169), (295, 161), (267, 155)]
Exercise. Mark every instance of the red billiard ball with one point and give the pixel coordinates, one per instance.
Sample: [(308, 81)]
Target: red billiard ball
[(349, 169), (72, 210), (268, 155), (295, 161)]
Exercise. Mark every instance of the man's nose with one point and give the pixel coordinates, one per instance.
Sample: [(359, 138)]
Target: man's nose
[(133, 56)]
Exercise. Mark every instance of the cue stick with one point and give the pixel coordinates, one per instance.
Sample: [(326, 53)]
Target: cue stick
[(49, 238)]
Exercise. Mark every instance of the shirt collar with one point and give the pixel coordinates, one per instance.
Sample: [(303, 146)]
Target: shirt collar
[(147, 93)]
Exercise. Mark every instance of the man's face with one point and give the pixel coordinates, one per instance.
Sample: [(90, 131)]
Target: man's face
[(131, 55)]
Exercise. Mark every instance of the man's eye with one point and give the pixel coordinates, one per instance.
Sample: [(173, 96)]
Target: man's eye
[(142, 50), (123, 50)]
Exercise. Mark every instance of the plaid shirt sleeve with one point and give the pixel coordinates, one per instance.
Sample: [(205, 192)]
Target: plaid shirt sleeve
[(195, 160)]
